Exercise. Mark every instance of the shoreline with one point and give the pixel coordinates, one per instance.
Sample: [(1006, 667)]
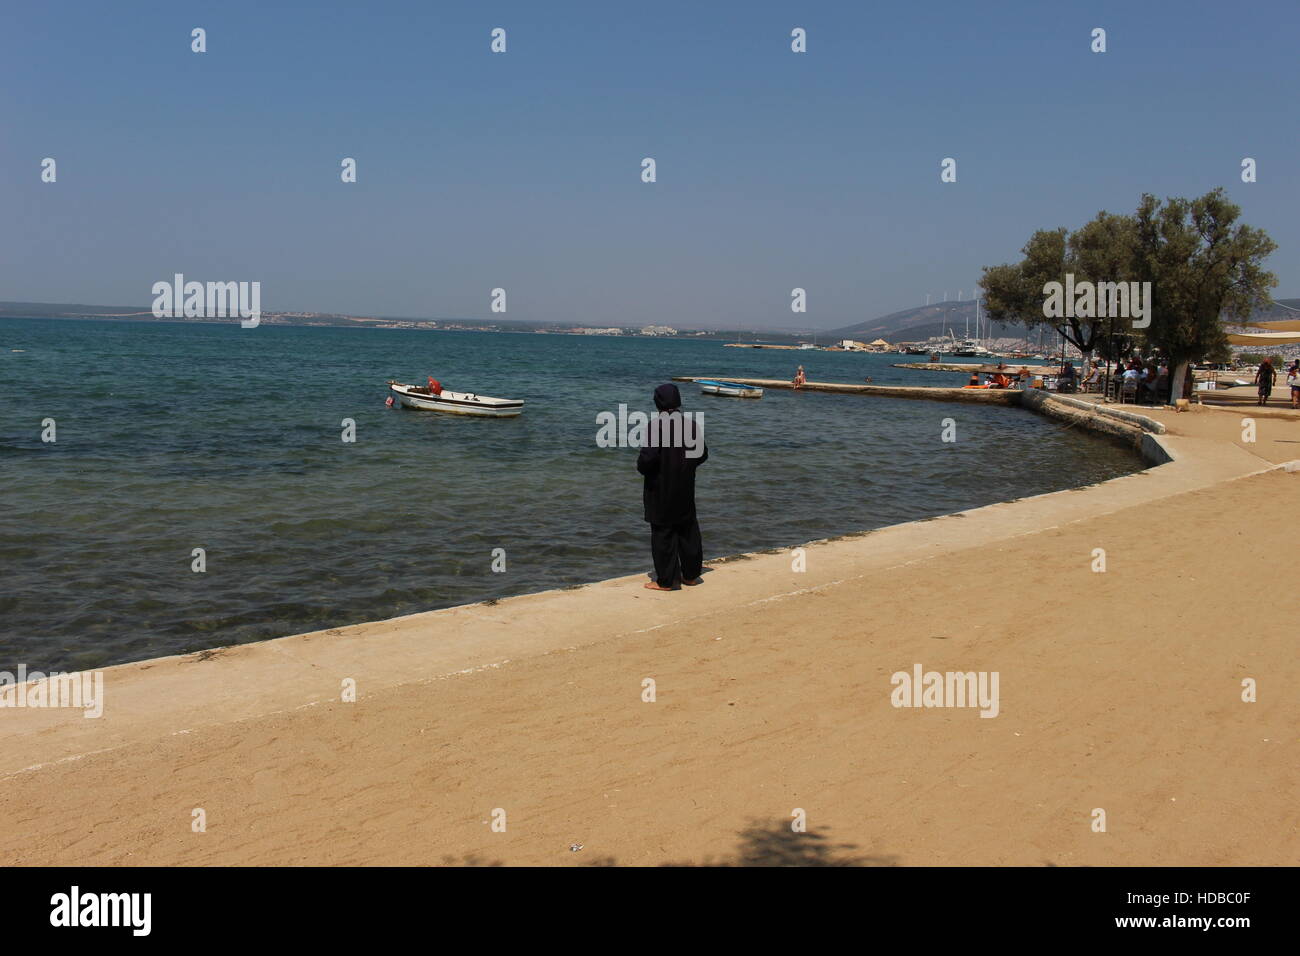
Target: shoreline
[(215, 698), (1129, 433)]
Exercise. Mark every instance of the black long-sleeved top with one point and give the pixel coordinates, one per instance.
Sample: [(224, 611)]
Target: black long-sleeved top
[(669, 493)]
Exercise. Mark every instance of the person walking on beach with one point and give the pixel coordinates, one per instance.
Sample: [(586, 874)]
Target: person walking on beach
[(1293, 379), (674, 449), (1265, 378)]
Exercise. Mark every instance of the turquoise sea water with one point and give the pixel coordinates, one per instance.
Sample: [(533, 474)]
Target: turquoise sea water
[(172, 437)]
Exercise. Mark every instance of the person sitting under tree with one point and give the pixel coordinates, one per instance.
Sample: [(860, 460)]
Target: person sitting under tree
[(1067, 381)]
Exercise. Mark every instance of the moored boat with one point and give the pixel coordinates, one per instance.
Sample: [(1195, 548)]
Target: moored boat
[(733, 389), (424, 398), (969, 347)]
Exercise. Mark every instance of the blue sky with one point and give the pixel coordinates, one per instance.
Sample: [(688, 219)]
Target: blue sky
[(522, 170)]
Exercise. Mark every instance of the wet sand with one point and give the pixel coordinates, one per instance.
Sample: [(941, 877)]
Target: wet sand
[(1119, 691)]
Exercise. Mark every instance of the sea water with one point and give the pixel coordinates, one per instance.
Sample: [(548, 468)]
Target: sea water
[(181, 446)]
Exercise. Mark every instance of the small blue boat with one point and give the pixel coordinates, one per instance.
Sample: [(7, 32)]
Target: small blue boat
[(733, 389)]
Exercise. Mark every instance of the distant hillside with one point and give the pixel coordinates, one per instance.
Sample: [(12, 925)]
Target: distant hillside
[(1276, 311), (922, 322), (68, 309)]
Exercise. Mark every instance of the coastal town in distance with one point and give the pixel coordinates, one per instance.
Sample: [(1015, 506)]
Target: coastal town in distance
[(924, 330)]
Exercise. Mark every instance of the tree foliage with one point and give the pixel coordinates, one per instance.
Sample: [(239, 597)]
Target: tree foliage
[(1202, 265)]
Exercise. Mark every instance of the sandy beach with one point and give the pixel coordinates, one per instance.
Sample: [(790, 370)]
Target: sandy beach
[(1119, 690)]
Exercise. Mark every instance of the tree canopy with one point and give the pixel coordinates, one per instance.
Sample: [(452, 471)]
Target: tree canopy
[(1202, 267), (1201, 263)]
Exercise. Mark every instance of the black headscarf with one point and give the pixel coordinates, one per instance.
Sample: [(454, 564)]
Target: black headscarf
[(667, 397)]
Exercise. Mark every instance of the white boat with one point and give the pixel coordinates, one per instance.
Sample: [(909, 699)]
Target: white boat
[(734, 389), (968, 346), (455, 403)]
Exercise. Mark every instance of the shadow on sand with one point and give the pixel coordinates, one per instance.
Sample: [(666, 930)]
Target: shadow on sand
[(762, 843), (765, 843)]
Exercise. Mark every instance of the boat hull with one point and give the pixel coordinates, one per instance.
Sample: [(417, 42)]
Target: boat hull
[(456, 403), (730, 389)]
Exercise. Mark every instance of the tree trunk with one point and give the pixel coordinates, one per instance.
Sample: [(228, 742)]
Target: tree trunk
[(1178, 383)]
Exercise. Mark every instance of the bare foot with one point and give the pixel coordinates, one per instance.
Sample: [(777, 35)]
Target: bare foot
[(692, 583), (655, 586)]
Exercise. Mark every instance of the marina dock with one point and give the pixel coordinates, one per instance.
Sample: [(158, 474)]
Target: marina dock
[(1001, 396)]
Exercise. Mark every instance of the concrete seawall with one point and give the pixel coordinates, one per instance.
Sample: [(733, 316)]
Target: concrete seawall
[(1125, 426)]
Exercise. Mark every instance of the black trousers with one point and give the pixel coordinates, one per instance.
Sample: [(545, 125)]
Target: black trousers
[(677, 550)]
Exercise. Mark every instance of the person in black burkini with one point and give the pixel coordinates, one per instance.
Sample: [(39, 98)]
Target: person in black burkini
[(669, 493)]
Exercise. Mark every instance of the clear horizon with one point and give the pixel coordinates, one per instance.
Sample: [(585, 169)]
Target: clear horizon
[(522, 170)]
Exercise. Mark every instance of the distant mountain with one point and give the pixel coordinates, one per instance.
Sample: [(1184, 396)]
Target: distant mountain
[(924, 321), (1277, 312)]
